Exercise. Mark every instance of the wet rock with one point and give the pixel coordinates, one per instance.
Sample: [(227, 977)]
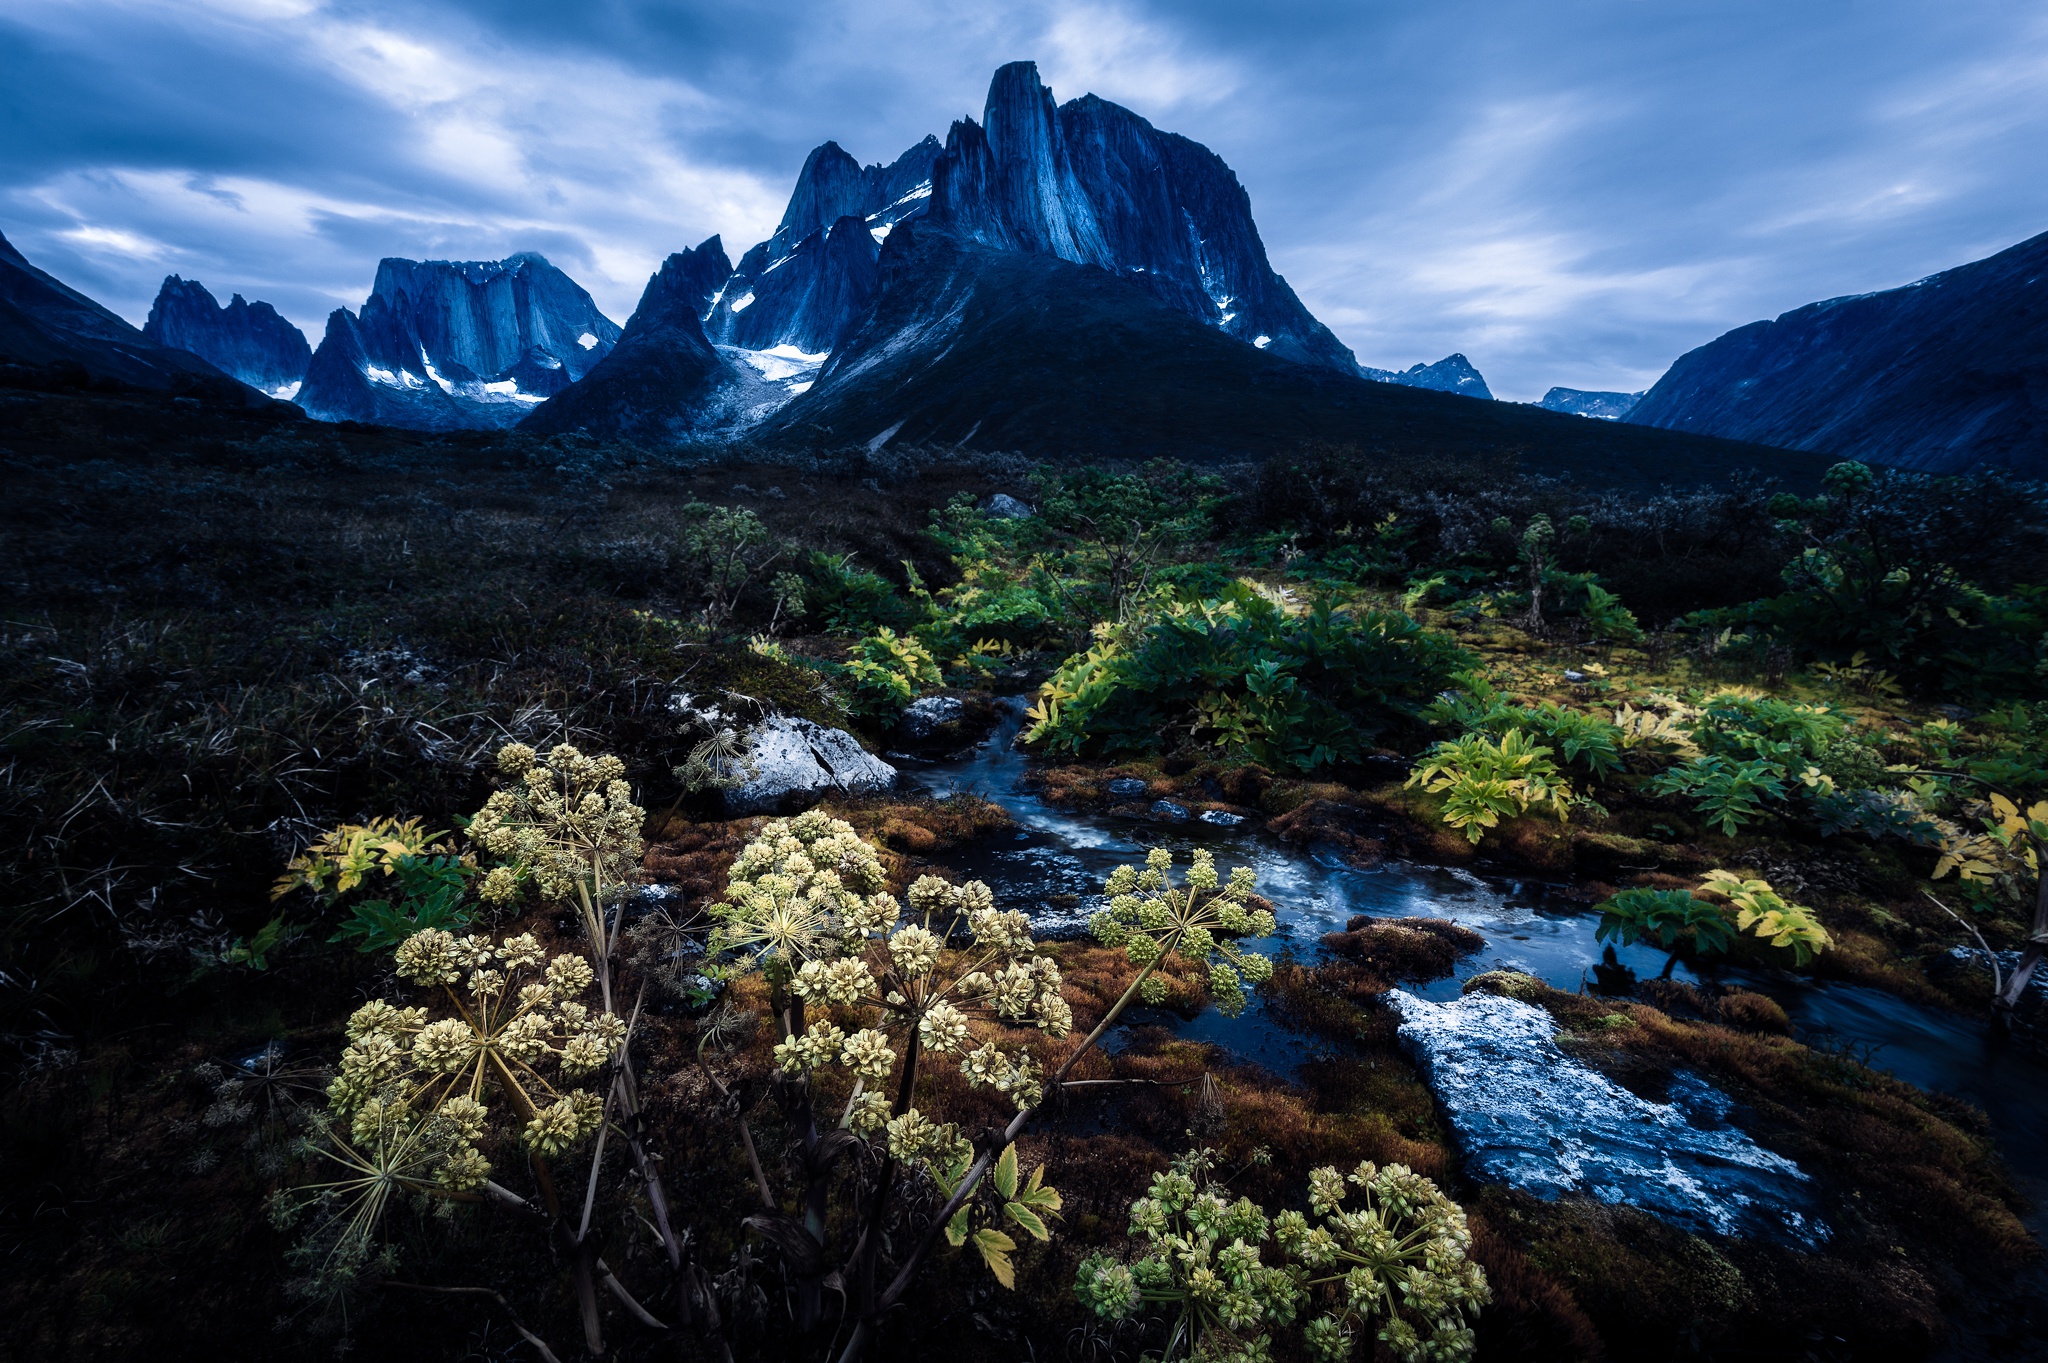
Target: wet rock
[(1576, 678), (1004, 507), (1526, 1114), (2030, 1018), (1127, 788), (924, 717), (791, 764), (1404, 948), (1222, 818), (1167, 809)]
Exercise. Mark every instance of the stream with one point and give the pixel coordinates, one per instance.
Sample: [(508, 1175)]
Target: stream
[(1053, 863)]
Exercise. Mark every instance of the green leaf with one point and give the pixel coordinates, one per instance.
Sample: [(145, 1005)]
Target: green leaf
[(995, 1250), (1006, 1172), (1028, 1220)]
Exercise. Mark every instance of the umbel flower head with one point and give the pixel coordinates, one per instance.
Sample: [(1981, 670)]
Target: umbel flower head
[(931, 985), (561, 821), (799, 889), (1149, 917), (416, 1097), (1399, 1257)]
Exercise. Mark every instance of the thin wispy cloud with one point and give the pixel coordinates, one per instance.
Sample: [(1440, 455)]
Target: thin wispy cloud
[(1573, 192)]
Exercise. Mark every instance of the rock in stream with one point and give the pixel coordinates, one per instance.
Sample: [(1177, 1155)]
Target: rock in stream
[(1526, 1114)]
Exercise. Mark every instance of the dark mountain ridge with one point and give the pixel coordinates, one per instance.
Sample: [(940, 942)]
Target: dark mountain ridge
[(57, 335), (1941, 375), (983, 348), (660, 383), (247, 340), (444, 344)]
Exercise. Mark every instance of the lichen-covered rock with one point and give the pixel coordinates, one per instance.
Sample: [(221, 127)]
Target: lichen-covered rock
[(927, 715), (1526, 1114), (1004, 507), (791, 764)]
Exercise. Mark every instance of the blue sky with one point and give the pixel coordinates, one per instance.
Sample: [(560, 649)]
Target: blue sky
[(1568, 191)]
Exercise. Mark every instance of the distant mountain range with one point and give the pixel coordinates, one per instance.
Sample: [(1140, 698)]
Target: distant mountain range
[(1451, 374), (1059, 280), (1941, 375), (443, 344), (1580, 402)]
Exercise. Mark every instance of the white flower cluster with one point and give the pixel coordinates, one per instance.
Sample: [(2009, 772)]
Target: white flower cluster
[(403, 1068), (800, 889), (568, 818)]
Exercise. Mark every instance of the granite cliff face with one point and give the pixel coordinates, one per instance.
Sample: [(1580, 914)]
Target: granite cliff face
[(1451, 374), (1941, 375), (662, 382), (1093, 183), (247, 340), (56, 335), (1581, 402), (456, 344)]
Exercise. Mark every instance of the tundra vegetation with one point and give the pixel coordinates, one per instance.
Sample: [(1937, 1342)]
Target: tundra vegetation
[(381, 971)]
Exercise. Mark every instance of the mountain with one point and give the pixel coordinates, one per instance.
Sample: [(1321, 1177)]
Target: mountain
[(1941, 375), (1580, 402), (444, 345), (976, 347), (663, 382), (1451, 374), (804, 287), (1092, 183), (247, 340), (52, 333)]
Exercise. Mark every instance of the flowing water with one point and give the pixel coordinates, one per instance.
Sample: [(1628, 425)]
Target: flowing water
[(1053, 863)]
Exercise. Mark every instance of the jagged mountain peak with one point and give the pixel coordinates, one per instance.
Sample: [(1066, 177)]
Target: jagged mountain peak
[(248, 340), (1452, 374), (444, 344)]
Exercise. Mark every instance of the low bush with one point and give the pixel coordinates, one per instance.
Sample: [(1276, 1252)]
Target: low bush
[(1251, 675)]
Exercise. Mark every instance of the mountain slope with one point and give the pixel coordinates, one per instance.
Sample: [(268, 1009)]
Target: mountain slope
[(662, 382), (1005, 350), (247, 340), (1093, 183), (1940, 375), (443, 345), (45, 322)]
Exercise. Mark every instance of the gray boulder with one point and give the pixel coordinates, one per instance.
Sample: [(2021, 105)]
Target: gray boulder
[(1127, 788), (927, 715), (792, 763), (1004, 507), (1526, 1114)]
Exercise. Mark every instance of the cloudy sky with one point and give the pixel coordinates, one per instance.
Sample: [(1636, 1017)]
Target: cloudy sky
[(1568, 191)]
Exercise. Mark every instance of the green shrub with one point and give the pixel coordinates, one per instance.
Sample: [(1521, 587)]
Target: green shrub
[(1484, 780), (1243, 673), (888, 671), (1680, 920), (848, 599)]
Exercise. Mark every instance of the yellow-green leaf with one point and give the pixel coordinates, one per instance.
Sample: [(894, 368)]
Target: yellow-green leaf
[(995, 1250), (1027, 1219), (1006, 1172)]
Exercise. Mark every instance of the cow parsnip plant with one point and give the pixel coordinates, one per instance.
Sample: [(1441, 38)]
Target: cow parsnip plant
[(492, 1059), (1226, 1276)]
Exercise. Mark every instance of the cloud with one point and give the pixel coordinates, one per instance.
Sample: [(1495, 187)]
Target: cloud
[(1572, 193)]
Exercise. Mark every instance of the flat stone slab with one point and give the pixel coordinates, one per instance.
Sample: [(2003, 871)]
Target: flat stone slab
[(1526, 1114)]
